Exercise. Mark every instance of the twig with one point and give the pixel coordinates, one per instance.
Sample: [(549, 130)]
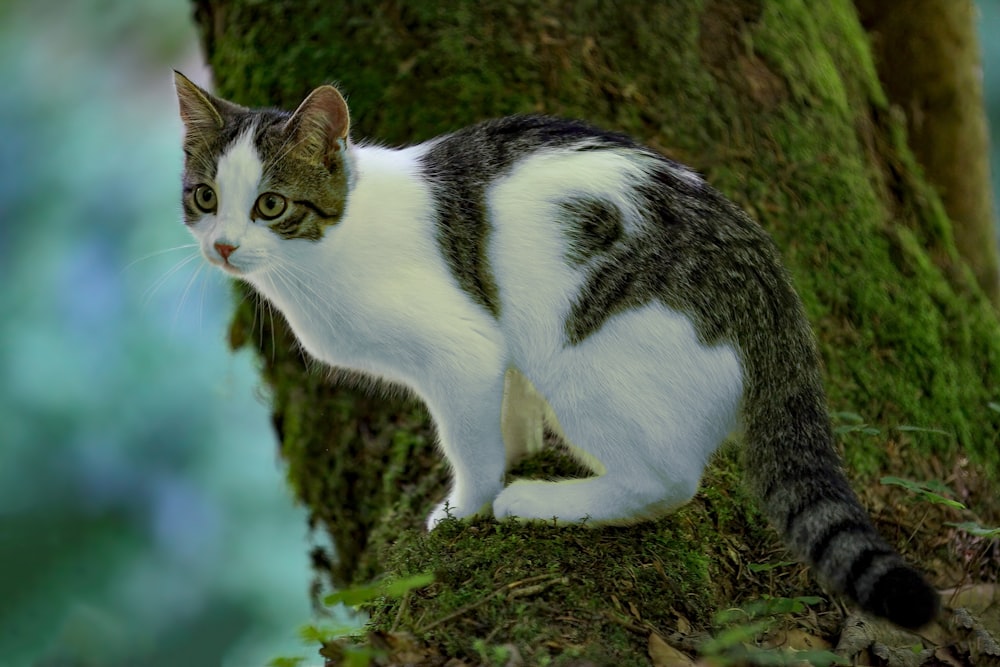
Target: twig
[(503, 589)]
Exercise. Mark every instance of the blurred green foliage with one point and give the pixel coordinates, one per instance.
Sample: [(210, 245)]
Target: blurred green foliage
[(144, 519)]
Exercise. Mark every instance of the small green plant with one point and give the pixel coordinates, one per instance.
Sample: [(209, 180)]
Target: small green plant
[(932, 491), (335, 641), (974, 529), (852, 422), (357, 595), (736, 641), (491, 655), (286, 661)]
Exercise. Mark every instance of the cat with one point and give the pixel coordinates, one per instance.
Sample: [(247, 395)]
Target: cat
[(531, 272)]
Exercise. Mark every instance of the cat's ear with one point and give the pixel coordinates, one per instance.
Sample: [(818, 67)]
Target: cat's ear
[(321, 123), (201, 110)]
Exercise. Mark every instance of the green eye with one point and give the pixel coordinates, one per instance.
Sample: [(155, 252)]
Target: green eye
[(204, 199), (270, 205)]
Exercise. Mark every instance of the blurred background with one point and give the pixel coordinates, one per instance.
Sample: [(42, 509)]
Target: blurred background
[(144, 518)]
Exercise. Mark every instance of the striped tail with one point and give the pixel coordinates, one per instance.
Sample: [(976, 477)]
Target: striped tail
[(792, 465)]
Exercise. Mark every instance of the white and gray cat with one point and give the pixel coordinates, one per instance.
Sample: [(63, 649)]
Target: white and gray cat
[(530, 271)]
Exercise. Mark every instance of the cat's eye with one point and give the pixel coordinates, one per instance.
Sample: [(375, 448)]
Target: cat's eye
[(205, 199), (270, 205)]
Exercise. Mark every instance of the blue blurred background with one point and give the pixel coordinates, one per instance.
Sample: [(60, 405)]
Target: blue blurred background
[(144, 518)]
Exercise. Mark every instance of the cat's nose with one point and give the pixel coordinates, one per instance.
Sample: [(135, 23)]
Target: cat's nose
[(225, 250)]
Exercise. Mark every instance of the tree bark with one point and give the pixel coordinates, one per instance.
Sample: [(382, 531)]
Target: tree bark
[(778, 104), (928, 59)]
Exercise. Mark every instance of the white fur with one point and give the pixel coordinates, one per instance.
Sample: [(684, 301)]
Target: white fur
[(641, 401)]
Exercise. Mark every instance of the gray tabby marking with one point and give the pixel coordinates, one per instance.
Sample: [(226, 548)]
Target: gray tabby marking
[(592, 227), (460, 166)]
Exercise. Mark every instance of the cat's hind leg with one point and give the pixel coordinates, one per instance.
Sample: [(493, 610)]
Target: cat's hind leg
[(525, 415), (643, 403), (624, 491)]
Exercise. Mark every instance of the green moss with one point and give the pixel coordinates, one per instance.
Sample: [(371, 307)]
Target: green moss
[(555, 591)]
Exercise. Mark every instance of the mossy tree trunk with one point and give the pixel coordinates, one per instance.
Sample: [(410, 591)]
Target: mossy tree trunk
[(929, 62), (778, 104)]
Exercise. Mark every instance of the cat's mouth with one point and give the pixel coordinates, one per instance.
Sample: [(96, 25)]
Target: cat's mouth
[(223, 254), (231, 269), (226, 266)]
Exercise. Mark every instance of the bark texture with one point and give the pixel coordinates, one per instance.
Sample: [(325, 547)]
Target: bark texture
[(778, 104), (928, 60)]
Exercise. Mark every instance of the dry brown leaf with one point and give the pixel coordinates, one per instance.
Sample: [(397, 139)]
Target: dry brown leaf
[(664, 655), (983, 647), (798, 639), (683, 625), (901, 657), (946, 656), (977, 598), (857, 635)]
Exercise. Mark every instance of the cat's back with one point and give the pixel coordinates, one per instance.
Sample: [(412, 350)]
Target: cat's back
[(526, 206)]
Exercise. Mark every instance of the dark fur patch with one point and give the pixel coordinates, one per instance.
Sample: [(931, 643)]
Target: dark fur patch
[(822, 540), (592, 226), (461, 166), (862, 563), (902, 596)]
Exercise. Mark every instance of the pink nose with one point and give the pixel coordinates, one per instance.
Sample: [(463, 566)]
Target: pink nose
[(225, 250)]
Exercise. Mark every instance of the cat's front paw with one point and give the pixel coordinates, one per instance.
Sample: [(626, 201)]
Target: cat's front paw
[(439, 514), (448, 510)]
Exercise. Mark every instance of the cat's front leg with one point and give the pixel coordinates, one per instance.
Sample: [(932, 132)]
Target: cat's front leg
[(468, 424)]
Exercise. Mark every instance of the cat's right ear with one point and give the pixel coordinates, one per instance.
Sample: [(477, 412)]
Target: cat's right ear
[(200, 110), (321, 123)]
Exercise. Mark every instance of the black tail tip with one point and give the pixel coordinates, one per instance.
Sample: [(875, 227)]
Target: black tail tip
[(905, 598)]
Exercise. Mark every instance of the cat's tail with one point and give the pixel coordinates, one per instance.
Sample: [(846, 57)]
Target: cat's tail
[(792, 465), (723, 269)]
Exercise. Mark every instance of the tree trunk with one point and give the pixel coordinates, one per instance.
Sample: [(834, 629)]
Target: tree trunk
[(928, 60), (778, 104)]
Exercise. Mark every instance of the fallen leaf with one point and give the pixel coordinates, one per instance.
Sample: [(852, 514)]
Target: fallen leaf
[(977, 598), (947, 657), (683, 625), (664, 655), (798, 639)]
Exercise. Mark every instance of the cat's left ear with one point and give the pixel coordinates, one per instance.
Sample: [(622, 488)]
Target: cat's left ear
[(200, 110), (320, 124)]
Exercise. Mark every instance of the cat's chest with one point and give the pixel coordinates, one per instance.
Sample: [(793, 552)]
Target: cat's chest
[(330, 326), (386, 313)]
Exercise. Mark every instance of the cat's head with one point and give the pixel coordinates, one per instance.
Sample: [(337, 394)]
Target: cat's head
[(259, 183)]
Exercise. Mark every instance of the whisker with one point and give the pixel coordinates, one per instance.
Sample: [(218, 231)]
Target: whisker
[(151, 291), (184, 294), (156, 254), (301, 291), (201, 304), (270, 314)]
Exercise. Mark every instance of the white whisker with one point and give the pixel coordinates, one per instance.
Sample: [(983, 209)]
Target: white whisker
[(157, 254), (184, 294), (151, 291)]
